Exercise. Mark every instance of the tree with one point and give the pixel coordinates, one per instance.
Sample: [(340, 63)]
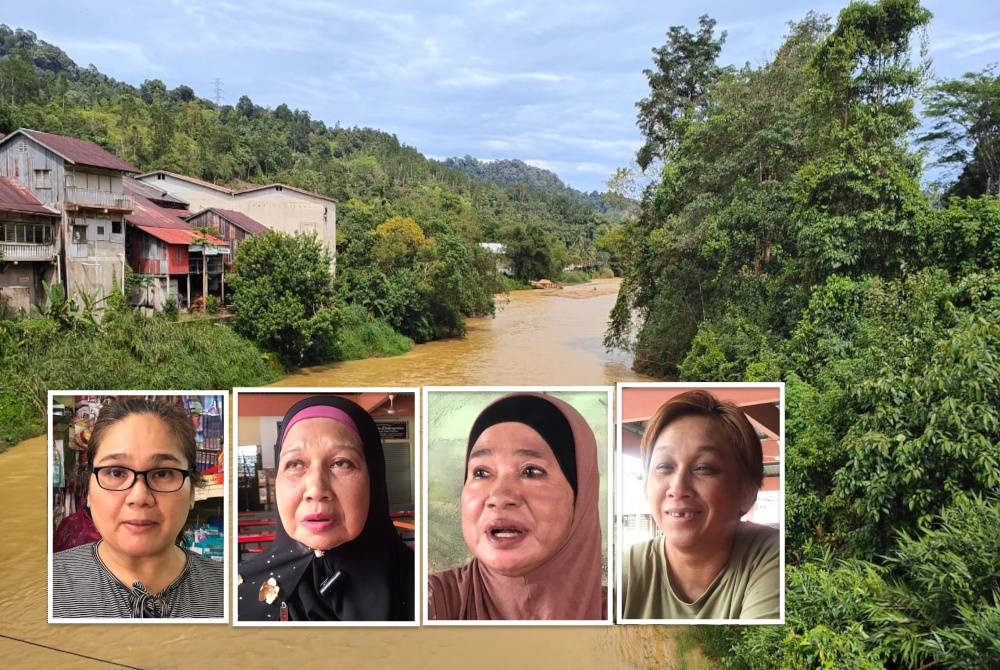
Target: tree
[(857, 197), (532, 252), (685, 68), (967, 130), (282, 296)]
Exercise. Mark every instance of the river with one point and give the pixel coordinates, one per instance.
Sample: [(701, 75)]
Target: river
[(548, 337)]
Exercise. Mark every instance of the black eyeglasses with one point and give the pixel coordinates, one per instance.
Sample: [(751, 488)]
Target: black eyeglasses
[(120, 478)]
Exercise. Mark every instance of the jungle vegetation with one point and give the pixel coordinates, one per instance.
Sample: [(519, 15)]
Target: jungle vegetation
[(787, 237)]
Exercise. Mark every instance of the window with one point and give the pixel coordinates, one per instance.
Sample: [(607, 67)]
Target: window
[(100, 231), (42, 179), (116, 227), (79, 233), (69, 180)]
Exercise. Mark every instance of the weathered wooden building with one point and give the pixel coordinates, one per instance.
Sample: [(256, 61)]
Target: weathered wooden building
[(229, 225), (277, 206), (173, 257), (84, 183), (29, 247)]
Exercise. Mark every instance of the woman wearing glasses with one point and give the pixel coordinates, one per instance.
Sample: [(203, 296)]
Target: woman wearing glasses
[(141, 487)]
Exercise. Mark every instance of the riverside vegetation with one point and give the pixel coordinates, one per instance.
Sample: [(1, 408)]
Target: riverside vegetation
[(788, 238)]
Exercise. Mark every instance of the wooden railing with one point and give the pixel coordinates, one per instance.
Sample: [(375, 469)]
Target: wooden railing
[(86, 197), (20, 251)]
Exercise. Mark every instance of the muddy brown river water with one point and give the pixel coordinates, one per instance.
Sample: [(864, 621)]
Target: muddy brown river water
[(538, 338)]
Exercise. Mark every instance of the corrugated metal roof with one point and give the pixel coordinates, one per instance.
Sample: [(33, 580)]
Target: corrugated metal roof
[(17, 198), (74, 150), (147, 190), (147, 213), (243, 221), (207, 184), (148, 216), (180, 236), (280, 187), (169, 235)]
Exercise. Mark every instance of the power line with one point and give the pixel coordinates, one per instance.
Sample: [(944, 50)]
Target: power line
[(71, 653)]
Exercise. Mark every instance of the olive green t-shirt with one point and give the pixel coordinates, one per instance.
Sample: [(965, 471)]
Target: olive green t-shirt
[(747, 588)]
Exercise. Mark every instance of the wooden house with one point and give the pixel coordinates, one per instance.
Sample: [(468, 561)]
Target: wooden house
[(229, 225), (29, 247), (172, 257), (84, 183)]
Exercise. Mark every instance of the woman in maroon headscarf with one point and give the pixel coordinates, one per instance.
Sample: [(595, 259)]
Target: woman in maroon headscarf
[(529, 516)]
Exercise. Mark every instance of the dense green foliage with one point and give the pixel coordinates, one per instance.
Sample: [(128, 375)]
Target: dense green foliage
[(282, 297), (788, 238), (517, 175), (124, 351)]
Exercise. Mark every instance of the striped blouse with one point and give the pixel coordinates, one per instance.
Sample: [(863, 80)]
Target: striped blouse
[(82, 586)]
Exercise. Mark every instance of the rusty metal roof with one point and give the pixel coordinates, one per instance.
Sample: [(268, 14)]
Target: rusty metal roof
[(147, 213), (74, 150), (181, 236), (149, 217), (17, 198), (241, 220)]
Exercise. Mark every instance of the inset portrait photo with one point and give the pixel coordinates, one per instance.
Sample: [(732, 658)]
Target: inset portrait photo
[(325, 494), (137, 506), (517, 505), (700, 509)]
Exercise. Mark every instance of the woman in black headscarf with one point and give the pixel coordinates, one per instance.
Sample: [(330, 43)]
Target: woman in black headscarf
[(336, 555)]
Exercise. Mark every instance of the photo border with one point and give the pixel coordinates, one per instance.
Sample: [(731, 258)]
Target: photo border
[(608, 390), (780, 386), (226, 559), (417, 496)]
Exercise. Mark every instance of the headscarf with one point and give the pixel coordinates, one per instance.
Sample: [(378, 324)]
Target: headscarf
[(375, 581), (568, 585)]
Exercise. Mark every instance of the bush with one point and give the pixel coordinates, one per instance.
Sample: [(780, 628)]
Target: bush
[(574, 277), (170, 307), (282, 297), (363, 336), (212, 304)]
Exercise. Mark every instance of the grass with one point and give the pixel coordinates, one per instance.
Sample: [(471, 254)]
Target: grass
[(362, 336), (127, 351)]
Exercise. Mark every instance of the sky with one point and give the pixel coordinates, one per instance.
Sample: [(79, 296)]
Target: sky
[(549, 82)]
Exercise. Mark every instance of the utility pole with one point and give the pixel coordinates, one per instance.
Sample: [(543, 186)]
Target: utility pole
[(218, 91)]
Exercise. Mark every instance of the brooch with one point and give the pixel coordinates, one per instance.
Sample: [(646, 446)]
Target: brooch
[(268, 591)]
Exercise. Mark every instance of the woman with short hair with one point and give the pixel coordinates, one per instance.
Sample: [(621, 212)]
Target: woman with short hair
[(704, 467)]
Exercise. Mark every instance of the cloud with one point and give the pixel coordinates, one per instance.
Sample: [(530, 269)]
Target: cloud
[(465, 77), (114, 56)]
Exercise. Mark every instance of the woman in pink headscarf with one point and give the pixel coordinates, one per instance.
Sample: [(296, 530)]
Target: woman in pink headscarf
[(529, 516)]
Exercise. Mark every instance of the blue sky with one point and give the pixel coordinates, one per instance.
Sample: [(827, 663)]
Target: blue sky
[(552, 83)]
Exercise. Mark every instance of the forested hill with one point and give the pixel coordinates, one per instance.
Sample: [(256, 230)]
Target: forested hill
[(516, 174), (365, 169)]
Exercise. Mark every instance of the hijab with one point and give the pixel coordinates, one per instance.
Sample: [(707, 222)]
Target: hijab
[(568, 585), (369, 578)]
